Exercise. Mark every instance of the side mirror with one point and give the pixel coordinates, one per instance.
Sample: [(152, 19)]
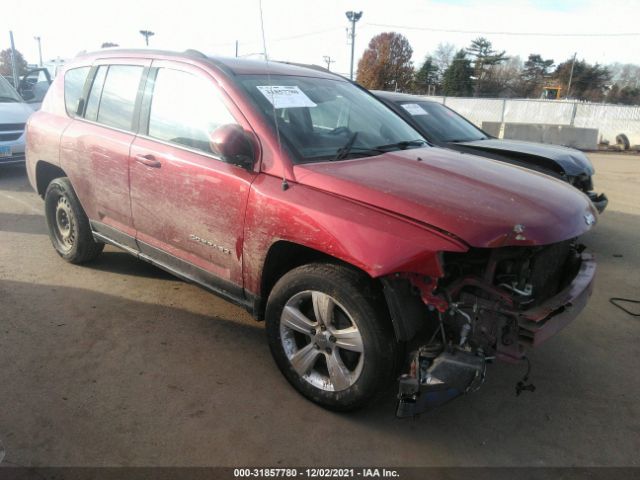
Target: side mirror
[(25, 89), (233, 145)]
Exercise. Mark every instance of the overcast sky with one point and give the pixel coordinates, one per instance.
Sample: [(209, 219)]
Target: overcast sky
[(305, 31)]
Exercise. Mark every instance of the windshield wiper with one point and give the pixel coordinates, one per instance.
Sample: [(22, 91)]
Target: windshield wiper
[(400, 145), (343, 151)]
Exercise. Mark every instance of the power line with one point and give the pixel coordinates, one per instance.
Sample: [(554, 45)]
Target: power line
[(520, 34), (279, 39)]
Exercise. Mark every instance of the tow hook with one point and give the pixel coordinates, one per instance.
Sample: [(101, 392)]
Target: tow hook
[(437, 376)]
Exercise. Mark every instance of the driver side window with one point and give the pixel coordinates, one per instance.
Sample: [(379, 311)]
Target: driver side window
[(186, 109)]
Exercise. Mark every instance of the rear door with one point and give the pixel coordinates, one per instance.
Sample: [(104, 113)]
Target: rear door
[(188, 204), (95, 147)]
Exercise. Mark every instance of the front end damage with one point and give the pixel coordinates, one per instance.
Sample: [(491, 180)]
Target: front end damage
[(491, 303), (584, 183)]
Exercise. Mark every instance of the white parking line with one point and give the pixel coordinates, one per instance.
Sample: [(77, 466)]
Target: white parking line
[(30, 207)]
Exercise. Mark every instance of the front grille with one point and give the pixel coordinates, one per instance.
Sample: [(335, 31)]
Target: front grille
[(9, 127), (548, 268), (17, 157), (582, 182), (7, 137)]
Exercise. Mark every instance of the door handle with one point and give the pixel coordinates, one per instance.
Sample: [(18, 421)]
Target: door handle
[(148, 160)]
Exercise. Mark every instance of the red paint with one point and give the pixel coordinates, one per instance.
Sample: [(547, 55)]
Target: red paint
[(385, 214)]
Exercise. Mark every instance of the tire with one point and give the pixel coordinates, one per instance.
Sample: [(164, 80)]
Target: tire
[(342, 361), (623, 141), (69, 229)]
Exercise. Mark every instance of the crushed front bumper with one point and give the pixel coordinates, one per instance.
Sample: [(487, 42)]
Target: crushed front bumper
[(540, 323), (438, 376), (599, 200)]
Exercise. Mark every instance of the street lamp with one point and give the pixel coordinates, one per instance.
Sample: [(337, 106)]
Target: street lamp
[(146, 34), (353, 18), (39, 49)]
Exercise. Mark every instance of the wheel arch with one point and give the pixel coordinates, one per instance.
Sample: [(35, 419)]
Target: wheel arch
[(45, 173), (405, 309), (282, 257)]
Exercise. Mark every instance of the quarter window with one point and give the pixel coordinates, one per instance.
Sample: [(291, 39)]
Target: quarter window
[(73, 84), (186, 109)]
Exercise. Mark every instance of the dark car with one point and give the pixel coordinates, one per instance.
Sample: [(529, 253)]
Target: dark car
[(445, 128)]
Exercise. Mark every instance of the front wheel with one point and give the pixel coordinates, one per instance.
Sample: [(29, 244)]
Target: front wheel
[(330, 335)]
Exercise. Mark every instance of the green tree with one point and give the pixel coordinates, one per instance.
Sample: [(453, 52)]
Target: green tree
[(483, 58), (623, 95), (456, 81), (5, 63), (425, 76), (386, 63), (588, 82), (532, 79)]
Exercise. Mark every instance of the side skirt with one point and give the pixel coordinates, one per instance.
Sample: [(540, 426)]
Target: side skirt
[(175, 266)]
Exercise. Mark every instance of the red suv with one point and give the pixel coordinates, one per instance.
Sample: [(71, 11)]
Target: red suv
[(298, 195)]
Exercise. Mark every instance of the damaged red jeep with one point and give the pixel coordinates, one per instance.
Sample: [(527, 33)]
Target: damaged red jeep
[(298, 195)]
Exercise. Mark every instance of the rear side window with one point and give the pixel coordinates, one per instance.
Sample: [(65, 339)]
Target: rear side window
[(119, 96), (113, 95), (73, 84), (186, 109)]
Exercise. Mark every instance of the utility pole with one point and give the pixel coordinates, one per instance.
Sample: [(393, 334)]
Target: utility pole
[(14, 67), (353, 18), (39, 49), (573, 64), (146, 34), (328, 61), (236, 48)]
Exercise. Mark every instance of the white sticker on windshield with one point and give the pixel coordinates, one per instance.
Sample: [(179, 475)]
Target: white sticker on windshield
[(285, 96), (414, 109)]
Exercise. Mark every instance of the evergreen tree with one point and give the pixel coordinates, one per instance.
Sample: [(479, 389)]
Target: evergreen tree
[(425, 76), (456, 81)]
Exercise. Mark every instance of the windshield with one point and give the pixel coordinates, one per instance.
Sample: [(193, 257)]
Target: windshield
[(323, 119), (441, 123), (7, 92)]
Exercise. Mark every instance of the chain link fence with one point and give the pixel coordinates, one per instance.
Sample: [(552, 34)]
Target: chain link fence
[(610, 120)]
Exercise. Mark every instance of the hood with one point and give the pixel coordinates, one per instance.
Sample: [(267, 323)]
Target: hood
[(481, 201), (572, 161), (12, 112)]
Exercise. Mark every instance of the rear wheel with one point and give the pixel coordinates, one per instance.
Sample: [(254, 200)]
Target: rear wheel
[(330, 336), (69, 228)]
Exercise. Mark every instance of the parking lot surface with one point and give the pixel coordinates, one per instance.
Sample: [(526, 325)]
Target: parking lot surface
[(119, 363)]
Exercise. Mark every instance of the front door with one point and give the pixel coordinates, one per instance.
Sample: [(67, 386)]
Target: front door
[(188, 204)]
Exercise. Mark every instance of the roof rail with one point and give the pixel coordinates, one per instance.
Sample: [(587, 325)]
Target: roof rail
[(195, 53)]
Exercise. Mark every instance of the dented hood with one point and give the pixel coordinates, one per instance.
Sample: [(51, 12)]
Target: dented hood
[(572, 161), (481, 201)]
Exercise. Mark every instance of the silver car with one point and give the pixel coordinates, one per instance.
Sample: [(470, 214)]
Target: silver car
[(14, 113)]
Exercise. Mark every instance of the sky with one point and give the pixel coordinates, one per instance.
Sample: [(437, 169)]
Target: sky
[(307, 31)]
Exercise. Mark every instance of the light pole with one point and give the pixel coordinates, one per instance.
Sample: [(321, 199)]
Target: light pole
[(146, 34), (14, 68), (353, 18), (39, 49), (573, 64), (328, 61)]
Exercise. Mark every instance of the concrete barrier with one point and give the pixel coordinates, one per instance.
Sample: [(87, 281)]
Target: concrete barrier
[(581, 138)]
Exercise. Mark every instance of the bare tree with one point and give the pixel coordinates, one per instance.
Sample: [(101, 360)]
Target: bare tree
[(442, 56)]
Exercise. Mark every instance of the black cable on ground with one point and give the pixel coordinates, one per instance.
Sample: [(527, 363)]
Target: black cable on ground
[(614, 301)]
